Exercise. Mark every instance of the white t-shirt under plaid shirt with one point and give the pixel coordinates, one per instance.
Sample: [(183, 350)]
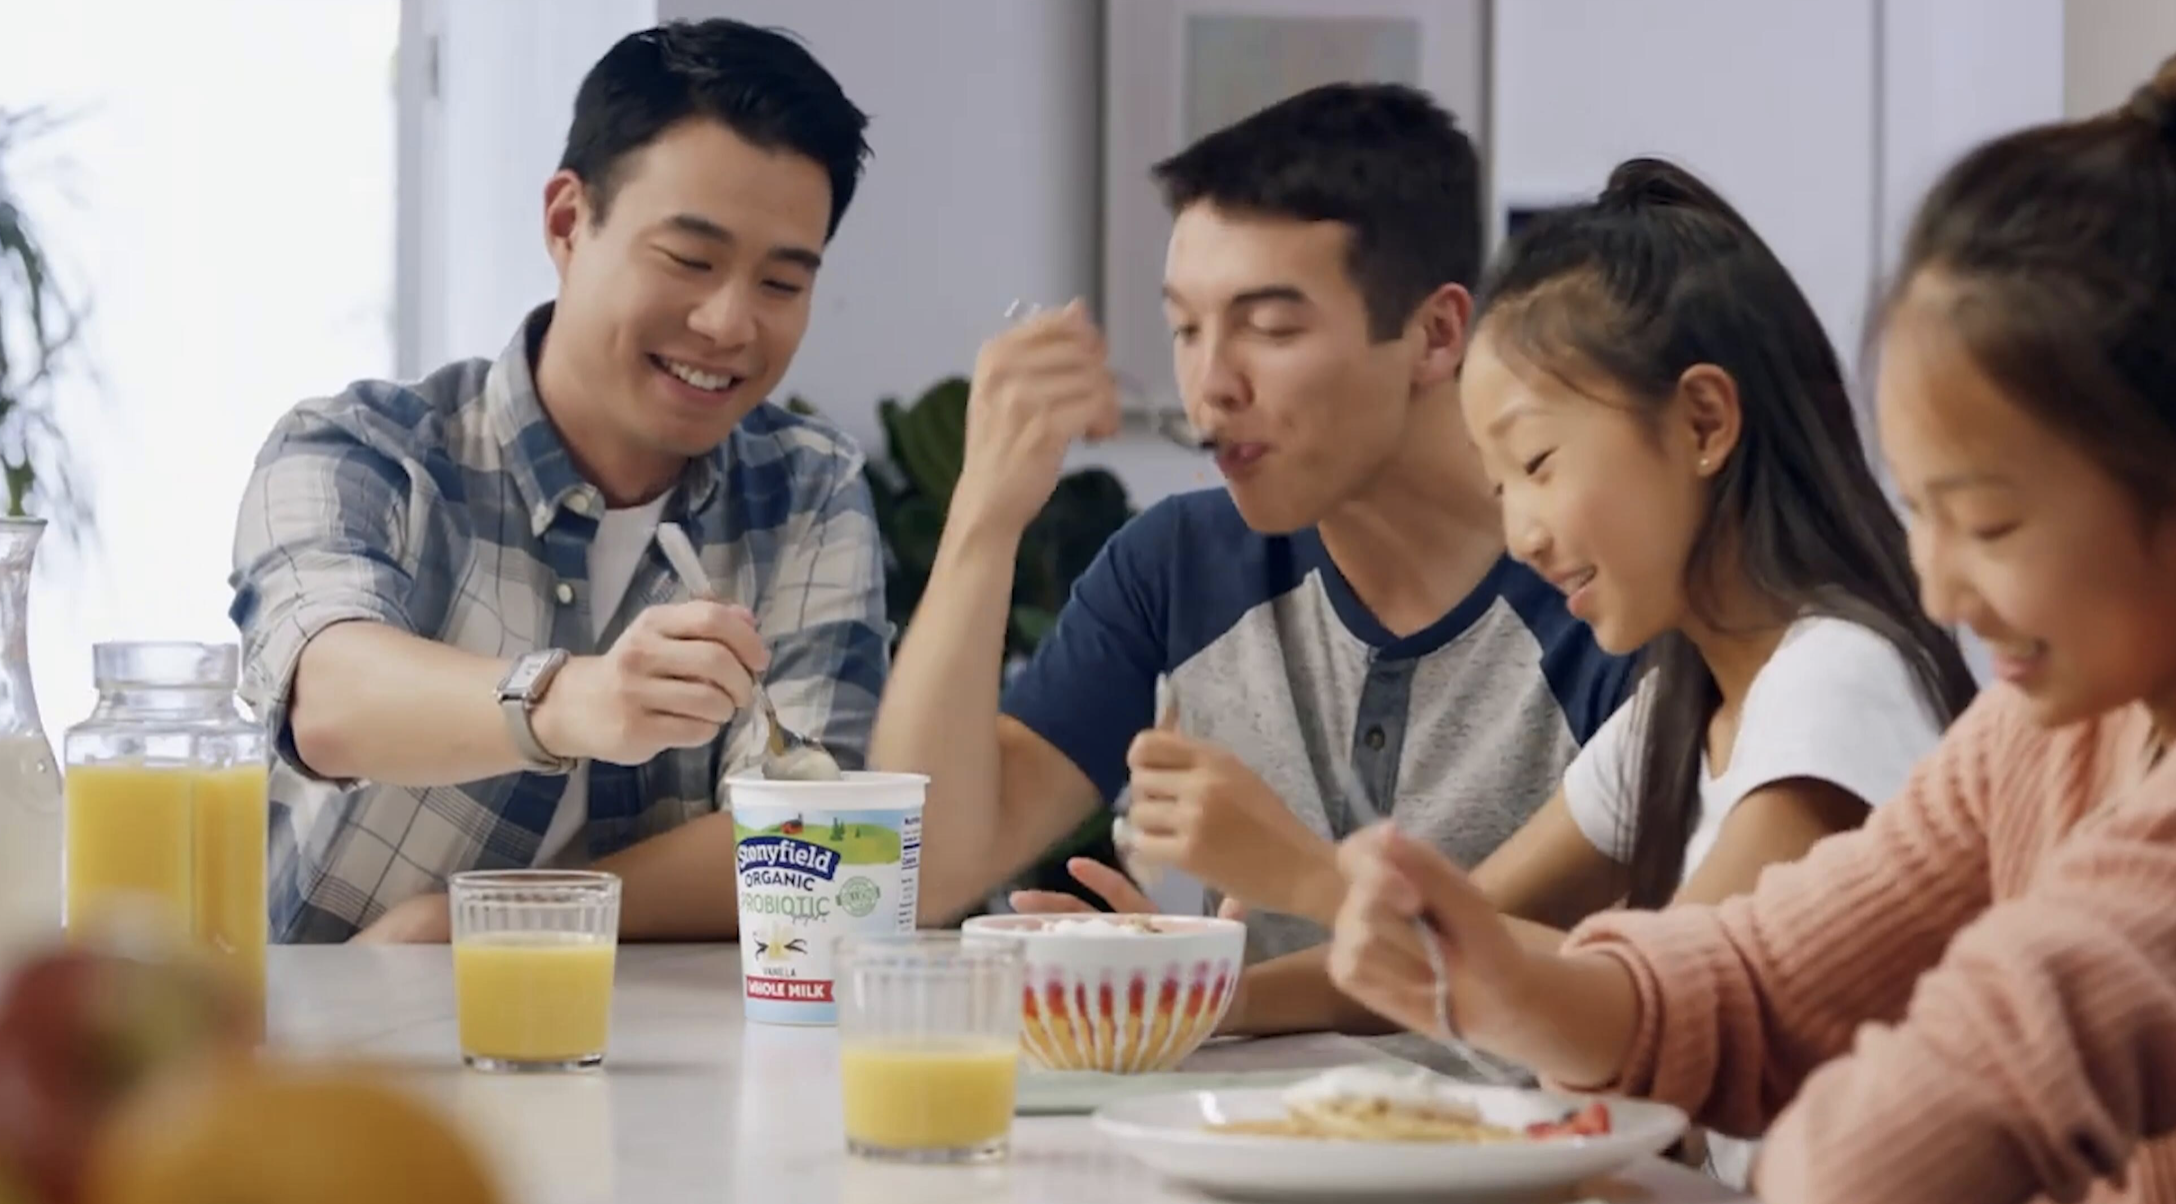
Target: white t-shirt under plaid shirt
[(449, 508)]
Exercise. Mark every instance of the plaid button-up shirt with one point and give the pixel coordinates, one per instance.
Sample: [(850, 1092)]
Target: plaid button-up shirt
[(449, 508)]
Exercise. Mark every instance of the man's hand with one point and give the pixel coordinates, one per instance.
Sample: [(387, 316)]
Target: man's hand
[(673, 679), (1039, 387), (422, 920), (1196, 807)]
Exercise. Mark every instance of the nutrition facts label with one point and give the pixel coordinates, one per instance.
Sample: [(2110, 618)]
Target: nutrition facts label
[(910, 866)]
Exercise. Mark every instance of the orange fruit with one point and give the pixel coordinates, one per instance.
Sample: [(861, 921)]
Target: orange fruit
[(271, 1134), (80, 1031)]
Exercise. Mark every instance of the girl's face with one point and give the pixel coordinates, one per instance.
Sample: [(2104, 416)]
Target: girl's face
[(2018, 534), (1598, 497)]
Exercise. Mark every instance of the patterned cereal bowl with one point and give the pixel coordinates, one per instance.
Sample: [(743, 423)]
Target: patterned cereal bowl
[(1122, 994)]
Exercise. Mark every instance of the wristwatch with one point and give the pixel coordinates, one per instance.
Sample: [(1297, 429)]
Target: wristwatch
[(519, 692)]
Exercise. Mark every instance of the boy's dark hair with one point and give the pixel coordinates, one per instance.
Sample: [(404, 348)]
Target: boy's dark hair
[(1383, 159), (1659, 274), (760, 83), (2061, 244)]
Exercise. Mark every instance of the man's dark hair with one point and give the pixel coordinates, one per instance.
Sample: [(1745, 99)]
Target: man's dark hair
[(1383, 159), (760, 83)]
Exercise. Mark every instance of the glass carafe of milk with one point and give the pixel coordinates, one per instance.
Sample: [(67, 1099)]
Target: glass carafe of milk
[(30, 787)]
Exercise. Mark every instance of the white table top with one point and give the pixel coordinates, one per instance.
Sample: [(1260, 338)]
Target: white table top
[(696, 1105)]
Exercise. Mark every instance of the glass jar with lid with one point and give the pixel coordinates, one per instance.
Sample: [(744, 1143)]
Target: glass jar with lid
[(167, 803)]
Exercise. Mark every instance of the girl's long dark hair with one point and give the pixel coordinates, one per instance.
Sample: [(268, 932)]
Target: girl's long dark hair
[(2060, 241), (1659, 274)]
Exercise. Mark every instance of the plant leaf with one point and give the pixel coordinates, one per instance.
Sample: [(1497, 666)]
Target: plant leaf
[(34, 458), (1033, 623)]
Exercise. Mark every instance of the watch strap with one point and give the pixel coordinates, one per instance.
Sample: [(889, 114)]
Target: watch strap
[(519, 707)]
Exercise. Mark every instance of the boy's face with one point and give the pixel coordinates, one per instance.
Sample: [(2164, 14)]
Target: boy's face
[(1276, 364)]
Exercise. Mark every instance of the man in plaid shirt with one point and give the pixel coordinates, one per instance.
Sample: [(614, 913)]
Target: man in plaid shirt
[(453, 612)]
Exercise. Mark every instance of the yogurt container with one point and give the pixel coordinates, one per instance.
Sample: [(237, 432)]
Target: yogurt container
[(815, 861)]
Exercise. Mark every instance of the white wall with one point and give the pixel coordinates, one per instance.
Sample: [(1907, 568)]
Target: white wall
[(2110, 47), (483, 132), (1824, 121), (236, 245), (1954, 74), (982, 187), (1771, 103)]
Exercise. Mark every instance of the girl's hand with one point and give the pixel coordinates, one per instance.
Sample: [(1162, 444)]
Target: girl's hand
[(1112, 886), (1376, 955)]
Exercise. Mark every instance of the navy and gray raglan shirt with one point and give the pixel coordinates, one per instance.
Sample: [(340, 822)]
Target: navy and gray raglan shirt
[(1461, 731)]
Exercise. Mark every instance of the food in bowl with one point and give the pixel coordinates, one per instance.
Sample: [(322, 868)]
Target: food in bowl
[(1368, 1103), (1122, 994), (1109, 926)]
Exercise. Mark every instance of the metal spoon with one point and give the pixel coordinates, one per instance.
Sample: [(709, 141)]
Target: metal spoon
[(1125, 838), (1431, 945), (787, 753), (1172, 425), (1145, 873)]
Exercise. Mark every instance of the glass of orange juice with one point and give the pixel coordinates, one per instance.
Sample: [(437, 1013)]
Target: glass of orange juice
[(532, 967), (929, 1044)]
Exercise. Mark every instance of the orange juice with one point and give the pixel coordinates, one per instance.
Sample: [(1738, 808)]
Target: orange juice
[(533, 996), (928, 1093), (230, 813), (129, 836)]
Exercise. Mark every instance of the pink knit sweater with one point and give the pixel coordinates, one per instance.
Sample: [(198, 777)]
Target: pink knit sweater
[(1972, 998)]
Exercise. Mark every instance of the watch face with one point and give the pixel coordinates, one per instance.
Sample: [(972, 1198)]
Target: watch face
[(521, 679)]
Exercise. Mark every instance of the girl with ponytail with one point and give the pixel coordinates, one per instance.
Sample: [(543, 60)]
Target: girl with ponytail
[(1668, 428)]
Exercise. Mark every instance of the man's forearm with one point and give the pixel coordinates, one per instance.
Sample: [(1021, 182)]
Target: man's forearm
[(676, 886), (680, 885), (1294, 994), (939, 713), (371, 701)]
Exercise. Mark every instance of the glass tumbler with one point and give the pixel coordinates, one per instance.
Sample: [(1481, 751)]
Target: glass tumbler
[(532, 967), (929, 1044)]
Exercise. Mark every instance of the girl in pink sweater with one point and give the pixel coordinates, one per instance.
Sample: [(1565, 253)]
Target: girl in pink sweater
[(1974, 996)]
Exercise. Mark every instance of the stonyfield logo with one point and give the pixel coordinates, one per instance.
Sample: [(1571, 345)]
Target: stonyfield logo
[(781, 853)]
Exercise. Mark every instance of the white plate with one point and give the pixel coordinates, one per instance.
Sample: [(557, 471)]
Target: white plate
[(1168, 1132)]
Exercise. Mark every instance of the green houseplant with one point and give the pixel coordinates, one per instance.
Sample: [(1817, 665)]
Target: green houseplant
[(911, 485), (40, 325)]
